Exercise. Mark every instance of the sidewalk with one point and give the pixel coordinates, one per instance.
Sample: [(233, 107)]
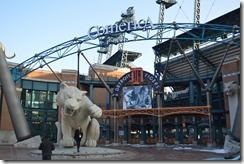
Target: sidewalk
[(116, 153)]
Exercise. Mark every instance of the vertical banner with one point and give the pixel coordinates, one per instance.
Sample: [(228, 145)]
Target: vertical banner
[(137, 97)]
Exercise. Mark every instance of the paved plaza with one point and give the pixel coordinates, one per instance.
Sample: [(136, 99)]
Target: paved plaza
[(116, 153)]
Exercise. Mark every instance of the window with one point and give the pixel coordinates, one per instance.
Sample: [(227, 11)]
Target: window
[(40, 107)]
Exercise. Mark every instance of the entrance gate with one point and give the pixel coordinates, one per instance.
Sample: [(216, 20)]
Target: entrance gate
[(180, 127)]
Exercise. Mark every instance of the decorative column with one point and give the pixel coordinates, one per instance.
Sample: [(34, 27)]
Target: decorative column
[(160, 134), (200, 134), (220, 136), (176, 131), (181, 134), (210, 118), (154, 127), (191, 90), (143, 132), (107, 130), (214, 134), (116, 139), (125, 131), (195, 130), (231, 75), (129, 120), (163, 135)]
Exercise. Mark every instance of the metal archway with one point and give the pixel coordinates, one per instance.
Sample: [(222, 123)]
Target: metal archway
[(147, 31)]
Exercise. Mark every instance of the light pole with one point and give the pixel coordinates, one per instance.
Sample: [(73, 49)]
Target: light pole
[(78, 69)]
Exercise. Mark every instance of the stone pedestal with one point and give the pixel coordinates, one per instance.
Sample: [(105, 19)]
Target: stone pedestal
[(160, 144), (107, 142), (124, 142), (211, 145), (116, 144), (29, 143), (194, 143), (177, 143)]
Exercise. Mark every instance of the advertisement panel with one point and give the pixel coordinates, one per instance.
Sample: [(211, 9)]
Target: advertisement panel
[(137, 97)]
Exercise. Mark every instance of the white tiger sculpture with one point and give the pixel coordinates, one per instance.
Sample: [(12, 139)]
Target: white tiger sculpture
[(77, 111)]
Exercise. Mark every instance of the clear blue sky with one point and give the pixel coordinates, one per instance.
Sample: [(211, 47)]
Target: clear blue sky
[(29, 27)]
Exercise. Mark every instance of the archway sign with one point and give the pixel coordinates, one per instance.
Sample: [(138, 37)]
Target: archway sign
[(122, 32), (127, 77)]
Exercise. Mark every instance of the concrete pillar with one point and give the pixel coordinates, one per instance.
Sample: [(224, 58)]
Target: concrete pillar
[(125, 131)]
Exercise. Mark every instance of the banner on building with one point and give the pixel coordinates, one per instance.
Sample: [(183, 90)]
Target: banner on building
[(137, 97)]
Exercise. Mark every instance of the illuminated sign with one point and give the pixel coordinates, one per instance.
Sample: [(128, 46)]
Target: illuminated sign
[(97, 31)]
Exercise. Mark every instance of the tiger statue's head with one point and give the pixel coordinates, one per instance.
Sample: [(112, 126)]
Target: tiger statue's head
[(72, 100)]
